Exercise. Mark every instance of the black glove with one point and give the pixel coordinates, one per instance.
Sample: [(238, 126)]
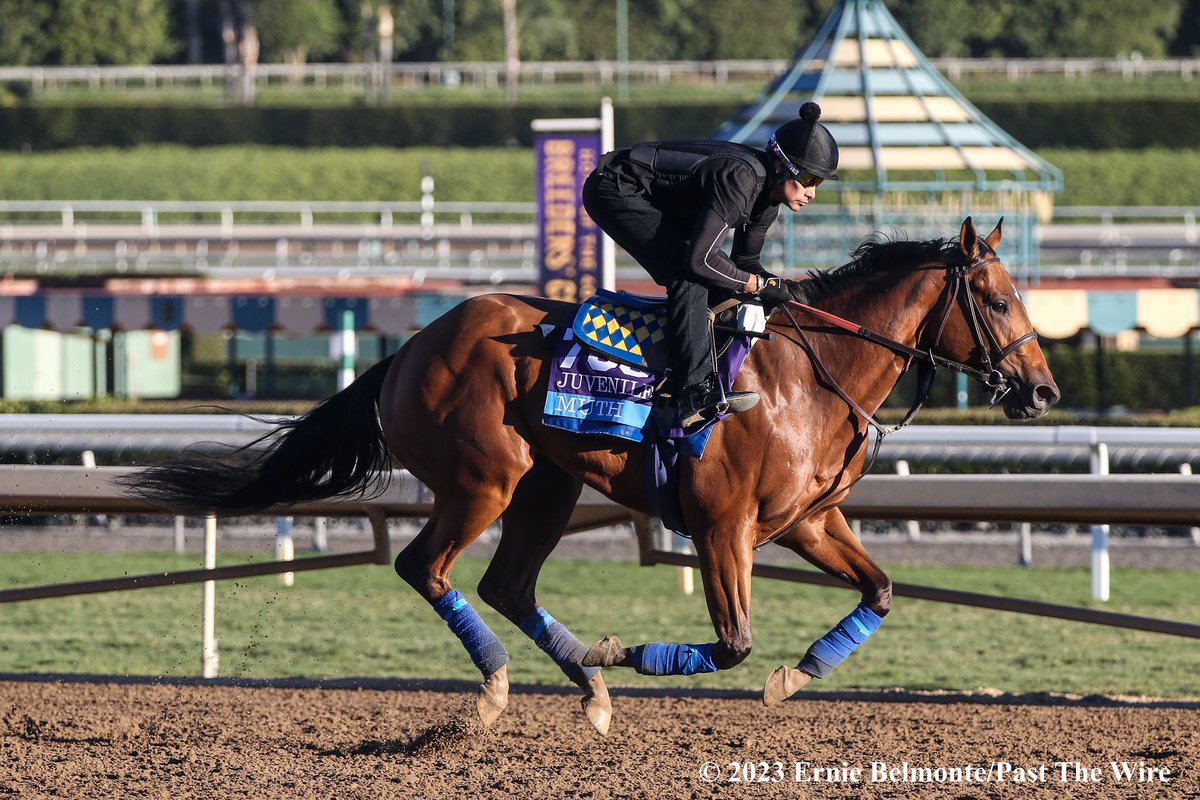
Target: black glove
[(773, 292)]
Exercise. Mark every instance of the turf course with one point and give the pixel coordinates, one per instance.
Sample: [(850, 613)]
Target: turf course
[(363, 621)]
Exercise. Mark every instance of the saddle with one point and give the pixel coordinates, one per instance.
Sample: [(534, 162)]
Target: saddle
[(632, 328), (607, 366)]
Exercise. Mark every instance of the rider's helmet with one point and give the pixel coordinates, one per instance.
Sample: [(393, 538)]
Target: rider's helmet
[(805, 148)]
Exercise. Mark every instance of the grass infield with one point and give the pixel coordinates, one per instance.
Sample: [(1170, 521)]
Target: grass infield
[(363, 621)]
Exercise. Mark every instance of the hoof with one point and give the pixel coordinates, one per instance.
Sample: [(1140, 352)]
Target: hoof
[(493, 696), (782, 684), (607, 652), (596, 705)]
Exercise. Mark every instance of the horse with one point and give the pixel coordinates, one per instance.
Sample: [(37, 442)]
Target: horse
[(459, 405)]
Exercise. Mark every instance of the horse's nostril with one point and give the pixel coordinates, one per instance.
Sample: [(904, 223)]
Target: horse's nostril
[(1045, 394)]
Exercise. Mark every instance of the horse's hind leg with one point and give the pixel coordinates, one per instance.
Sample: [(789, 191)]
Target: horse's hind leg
[(456, 521), (828, 543), (533, 524), (726, 557)]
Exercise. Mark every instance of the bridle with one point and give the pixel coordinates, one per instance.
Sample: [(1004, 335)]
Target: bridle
[(957, 293)]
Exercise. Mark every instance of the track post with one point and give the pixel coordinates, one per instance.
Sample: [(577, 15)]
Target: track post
[(209, 658), (1186, 469), (285, 547), (1100, 564), (912, 526), (1026, 537)]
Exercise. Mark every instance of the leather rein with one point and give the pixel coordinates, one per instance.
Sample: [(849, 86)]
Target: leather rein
[(959, 290)]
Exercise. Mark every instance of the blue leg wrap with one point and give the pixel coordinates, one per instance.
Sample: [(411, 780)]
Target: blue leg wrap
[(560, 644), (673, 659), (836, 646), (482, 645)]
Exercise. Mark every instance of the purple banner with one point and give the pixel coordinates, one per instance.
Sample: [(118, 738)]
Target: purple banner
[(568, 241)]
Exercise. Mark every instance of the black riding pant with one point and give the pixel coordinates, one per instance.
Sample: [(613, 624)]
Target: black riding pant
[(643, 231)]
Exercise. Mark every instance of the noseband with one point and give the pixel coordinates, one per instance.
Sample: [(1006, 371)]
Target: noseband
[(957, 292)]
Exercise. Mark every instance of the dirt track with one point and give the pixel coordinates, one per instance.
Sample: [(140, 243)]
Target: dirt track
[(130, 739)]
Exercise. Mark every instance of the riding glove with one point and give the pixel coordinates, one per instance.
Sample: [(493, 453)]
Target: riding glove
[(773, 292)]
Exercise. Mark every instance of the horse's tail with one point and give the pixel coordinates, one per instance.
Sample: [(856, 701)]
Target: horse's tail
[(335, 450)]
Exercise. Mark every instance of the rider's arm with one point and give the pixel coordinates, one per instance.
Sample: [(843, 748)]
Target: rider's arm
[(706, 262), (748, 242), (730, 189)]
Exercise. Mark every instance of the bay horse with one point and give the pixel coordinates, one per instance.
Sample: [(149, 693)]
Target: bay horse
[(460, 406)]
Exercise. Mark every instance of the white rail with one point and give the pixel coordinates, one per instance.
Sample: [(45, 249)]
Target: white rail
[(491, 74)]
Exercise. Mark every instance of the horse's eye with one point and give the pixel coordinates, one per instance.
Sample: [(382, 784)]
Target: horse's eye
[(999, 306)]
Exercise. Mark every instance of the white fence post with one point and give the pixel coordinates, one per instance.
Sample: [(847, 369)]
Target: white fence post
[(285, 547), (1026, 536), (320, 539), (912, 526), (685, 579), (1186, 469), (88, 459), (1099, 465), (209, 658), (180, 541)]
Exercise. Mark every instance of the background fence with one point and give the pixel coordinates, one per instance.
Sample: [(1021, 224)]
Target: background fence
[(364, 77)]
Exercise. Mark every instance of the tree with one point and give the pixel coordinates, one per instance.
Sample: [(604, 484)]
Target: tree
[(1043, 29), (84, 32), (23, 38), (754, 29), (1187, 35), (294, 29)]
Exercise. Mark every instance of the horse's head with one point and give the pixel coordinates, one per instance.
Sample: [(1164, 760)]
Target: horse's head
[(985, 327)]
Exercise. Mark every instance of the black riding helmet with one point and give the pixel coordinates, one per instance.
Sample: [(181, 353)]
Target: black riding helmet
[(805, 146)]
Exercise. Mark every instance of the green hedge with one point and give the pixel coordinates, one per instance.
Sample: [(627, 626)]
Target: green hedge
[(253, 172), (1097, 125), (30, 127), (1086, 124), (1141, 381), (171, 172)]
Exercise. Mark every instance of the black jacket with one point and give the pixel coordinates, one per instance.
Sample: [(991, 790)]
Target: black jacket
[(707, 189)]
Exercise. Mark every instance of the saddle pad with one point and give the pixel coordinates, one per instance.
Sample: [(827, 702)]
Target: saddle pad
[(589, 393), (625, 327)]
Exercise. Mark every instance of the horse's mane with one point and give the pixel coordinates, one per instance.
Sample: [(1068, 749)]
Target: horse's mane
[(872, 258)]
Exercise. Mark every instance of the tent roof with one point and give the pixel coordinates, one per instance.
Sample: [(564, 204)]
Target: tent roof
[(890, 112)]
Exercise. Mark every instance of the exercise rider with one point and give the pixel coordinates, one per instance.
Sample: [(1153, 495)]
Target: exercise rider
[(673, 204)]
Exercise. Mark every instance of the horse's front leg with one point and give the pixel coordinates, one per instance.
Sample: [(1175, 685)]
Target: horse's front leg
[(726, 560), (828, 543)]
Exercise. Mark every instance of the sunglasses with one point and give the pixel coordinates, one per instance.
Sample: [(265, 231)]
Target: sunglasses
[(808, 180)]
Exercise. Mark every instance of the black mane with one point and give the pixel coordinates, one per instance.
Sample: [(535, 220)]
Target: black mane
[(872, 258)]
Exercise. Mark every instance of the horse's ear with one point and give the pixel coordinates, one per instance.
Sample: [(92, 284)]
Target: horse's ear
[(993, 238), (969, 239)]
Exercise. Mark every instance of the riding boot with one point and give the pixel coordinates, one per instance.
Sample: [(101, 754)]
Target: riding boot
[(706, 400)]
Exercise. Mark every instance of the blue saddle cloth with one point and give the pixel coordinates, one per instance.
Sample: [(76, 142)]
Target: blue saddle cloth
[(602, 381)]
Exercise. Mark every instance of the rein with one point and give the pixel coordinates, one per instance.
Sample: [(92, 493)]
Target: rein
[(959, 290)]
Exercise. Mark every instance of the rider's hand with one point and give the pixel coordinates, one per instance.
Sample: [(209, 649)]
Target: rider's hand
[(773, 291)]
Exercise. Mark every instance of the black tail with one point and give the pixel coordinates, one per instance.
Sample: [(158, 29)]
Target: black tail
[(335, 450)]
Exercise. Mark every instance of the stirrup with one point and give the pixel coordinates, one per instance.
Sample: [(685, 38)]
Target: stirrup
[(713, 404)]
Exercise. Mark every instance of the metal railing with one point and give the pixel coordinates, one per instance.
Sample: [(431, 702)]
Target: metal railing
[(494, 242), (491, 74)]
